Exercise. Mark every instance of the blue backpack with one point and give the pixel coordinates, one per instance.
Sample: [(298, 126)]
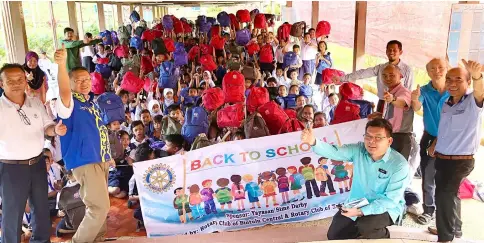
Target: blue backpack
[(366, 107), (242, 37), (136, 42), (167, 71), (180, 55), (290, 101), (323, 65), (223, 18), (167, 22), (111, 107), (104, 70), (196, 122), (134, 16), (290, 58), (211, 20), (306, 90), (109, 37)]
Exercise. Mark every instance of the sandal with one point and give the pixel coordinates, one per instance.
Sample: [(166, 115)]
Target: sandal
[(425, 219)]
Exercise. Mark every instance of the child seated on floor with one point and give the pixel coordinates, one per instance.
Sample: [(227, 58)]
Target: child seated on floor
[(70, 206), (53, 184), (26, 223), (118, 179)]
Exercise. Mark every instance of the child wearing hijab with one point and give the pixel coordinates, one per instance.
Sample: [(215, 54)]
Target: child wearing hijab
[(207, 79), (167, 100), (36, 78), (154, 108)]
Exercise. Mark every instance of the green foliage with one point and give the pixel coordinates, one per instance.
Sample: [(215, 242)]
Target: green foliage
[(93, 29), (40, 41)]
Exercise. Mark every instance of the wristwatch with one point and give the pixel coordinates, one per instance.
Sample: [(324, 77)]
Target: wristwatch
[(474, 79)]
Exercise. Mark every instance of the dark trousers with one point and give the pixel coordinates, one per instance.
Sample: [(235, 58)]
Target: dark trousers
[(17, 184), (448, 177), (88, 64), (210, 206), (427, 167), (366, 227), (312, 183), (402, 143), (328, 182)]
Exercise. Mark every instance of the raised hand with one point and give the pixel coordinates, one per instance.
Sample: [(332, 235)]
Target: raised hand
[(308, 137), (474, 68), (416, 93), (60, 129), (60, 56)]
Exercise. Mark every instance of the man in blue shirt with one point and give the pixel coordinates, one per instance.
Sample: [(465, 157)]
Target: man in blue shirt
[(85, 147), (381, 175), (431, 97), (458, 139)]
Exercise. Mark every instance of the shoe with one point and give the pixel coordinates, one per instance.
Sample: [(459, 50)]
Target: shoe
[(433, 230), (347, 189), (323, 194), (332, 193), (415, 209)]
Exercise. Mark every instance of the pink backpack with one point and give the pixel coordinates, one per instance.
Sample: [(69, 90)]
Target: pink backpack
[(98, 84), (238, 192), (132, 83), (257, 97), (233, 85)]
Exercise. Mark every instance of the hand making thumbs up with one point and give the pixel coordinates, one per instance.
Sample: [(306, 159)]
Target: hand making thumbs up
[(60, 55), (416, 93), (474, 68), (60, 129), (388, 97)]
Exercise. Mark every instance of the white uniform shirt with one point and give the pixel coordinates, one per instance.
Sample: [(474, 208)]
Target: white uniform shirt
[(56, 152), (308, 51), (19, 141)]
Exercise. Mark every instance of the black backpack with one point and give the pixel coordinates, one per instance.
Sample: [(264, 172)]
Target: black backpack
[(255, 126), (115, 63), (158, 46), (139, 31)]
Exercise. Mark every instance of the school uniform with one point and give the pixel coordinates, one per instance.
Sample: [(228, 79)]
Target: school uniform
[(120, 176), (22, 168), (52, 200), (308, 57)]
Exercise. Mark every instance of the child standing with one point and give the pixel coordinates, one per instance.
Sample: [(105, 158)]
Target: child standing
[(208, 197), (306, 89), (307, 170), (223, 193), (283, 184), (268, 185), (195, 199), (238, 191), (253, 190), (322, 175), (296, 180), (340, 175), (181, 204)]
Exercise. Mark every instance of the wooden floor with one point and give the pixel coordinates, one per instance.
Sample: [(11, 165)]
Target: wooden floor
[(120, 222)]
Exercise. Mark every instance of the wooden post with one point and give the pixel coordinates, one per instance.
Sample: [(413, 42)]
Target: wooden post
[(315, 14), (71, 11), (100, 15), (140, 11), (54, 25), (81, 28), (359, 35), (14, 31), (119, 10)]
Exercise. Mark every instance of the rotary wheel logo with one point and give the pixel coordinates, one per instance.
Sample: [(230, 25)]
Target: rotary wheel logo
[(159, 178)]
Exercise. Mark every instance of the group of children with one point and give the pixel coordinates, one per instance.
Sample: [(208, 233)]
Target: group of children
[(268, 185)]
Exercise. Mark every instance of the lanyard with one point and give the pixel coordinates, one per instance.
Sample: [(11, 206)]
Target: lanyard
[(28, 217), (50, 184)]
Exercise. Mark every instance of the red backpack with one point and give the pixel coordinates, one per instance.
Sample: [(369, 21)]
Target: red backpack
[(243, 15), (102, 60), (284, 31), (177, 26), (252, 48), (169, 44), (215, 30), (98, 85), (234, 22), (291, 113), (208, 63), (233, 85), (148, 35), (323, 28), (350, 91), (345, 111), (231, 116), (146, 64), (260, 21), (257, 97), (292, 125), (121, 51), (206, 49), (274, 116), (213, 98), (218, 42), (193, 53), (266, 54), (132, 83), (187, 28), (329, 73), (158, 33)]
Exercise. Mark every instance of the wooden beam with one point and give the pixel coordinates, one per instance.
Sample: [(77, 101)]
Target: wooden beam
[(315, 14), (140, 11), (469, 2), (71, 11), (54, 25), (359, 35), (100, 15), (119, 10)]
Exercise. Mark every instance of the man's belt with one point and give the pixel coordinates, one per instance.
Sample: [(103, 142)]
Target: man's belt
[(454, 157), (31, 161)]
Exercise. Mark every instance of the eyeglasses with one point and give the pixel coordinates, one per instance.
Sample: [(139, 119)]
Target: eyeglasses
[(86, 80), (23, 117), (371, 138)]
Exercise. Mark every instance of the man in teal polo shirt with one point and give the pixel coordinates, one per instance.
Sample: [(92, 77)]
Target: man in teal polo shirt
[(381, 175), (73, 46), (431, 97), (85, 147)]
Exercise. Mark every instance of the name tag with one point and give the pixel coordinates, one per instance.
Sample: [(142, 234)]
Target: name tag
[(382, 171)]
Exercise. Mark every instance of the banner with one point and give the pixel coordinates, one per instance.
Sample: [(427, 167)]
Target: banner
[(244, 184)]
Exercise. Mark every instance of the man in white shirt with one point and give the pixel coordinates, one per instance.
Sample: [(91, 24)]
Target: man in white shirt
[(22, 168), (308, 56)]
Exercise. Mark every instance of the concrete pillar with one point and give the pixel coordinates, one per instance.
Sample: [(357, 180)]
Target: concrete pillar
[(14, 31), (54, 26), (140, 11), (315, 14), (119, 10), (71, 11), (100, 15), (359, 35)]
